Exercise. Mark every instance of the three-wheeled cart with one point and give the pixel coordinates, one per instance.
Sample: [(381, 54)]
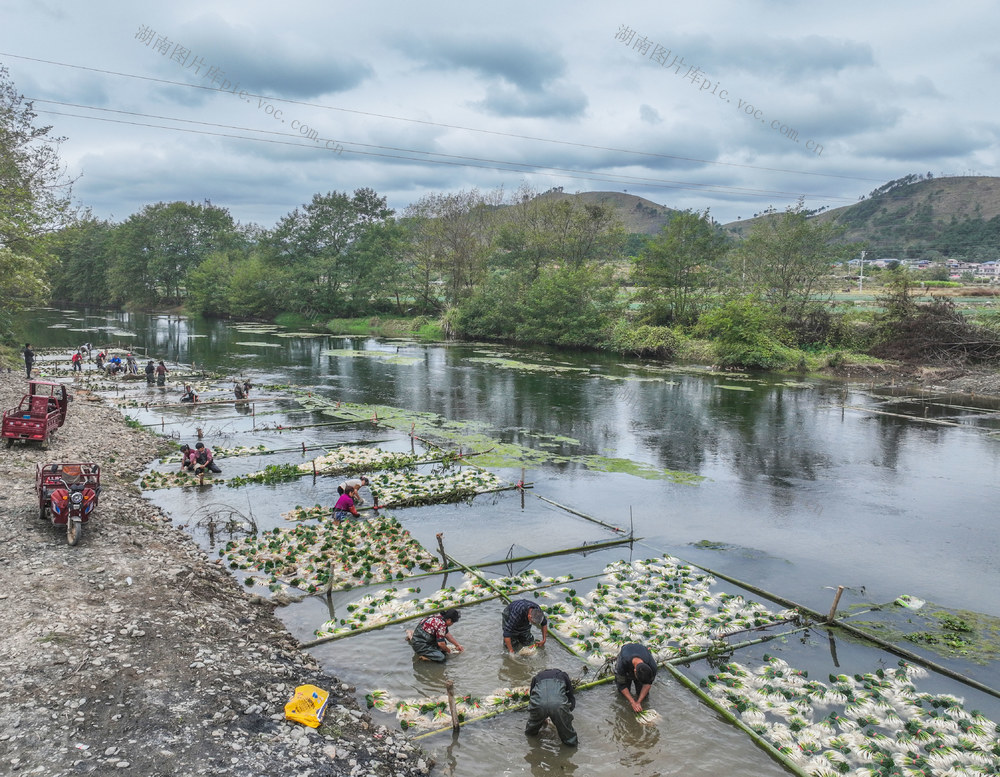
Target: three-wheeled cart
[(67, 495), (41, 412)]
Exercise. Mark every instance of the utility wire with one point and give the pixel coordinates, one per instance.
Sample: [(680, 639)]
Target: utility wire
[(445, 125), (527, 166), (512, 167)]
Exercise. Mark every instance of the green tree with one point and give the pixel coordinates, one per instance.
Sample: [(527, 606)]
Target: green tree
[(495, 310), (314, 245), (538, 232), (255, 290), (380, 281), (209, 284), (34, 201), (745, 334), (788, 259), (675, 270), (571, 307), (452, 236), (81, 251), (153, 251)]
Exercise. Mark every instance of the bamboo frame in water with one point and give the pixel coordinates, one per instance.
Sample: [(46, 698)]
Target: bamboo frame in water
[(823, 619), (335, 637), (669, 663)]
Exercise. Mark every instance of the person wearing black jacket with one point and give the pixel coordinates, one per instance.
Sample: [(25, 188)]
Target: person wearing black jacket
[(29, 358), (635, 666), (551, 697)]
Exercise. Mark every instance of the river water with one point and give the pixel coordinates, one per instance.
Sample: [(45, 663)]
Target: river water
[(794, 485)]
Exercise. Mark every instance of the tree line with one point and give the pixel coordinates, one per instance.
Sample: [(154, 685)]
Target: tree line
[(518, 267)]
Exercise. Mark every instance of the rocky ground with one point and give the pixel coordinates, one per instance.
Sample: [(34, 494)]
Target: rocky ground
[(134, 651)]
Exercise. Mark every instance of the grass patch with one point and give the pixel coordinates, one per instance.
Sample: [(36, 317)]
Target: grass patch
[(297, 321), (421, 327), (964, 634)]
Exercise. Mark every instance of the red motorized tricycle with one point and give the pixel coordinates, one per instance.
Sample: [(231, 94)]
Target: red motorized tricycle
[(41, 412), (67, 494)]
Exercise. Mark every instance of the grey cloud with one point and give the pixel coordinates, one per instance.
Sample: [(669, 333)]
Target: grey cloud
[(528, 67), (929, 145), (649, 114), (562, 103), (260, 61), (768, 56)]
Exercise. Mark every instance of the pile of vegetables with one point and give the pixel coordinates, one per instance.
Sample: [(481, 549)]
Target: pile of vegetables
[(321, 556)]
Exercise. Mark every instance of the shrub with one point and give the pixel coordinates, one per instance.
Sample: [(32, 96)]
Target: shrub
[(643, 340), (745, 335)]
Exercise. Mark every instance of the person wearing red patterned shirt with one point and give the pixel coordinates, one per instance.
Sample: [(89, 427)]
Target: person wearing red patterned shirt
[(430, 638)]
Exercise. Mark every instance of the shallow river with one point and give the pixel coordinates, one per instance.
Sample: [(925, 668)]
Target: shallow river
[(795, 486)]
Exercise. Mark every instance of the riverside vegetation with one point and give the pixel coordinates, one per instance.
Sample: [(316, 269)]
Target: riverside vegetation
[(527, 270)]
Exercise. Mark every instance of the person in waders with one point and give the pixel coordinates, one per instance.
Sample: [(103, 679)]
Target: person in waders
[(516, 621), (551, 698), (204, 459), (635, 667), (430, 638)]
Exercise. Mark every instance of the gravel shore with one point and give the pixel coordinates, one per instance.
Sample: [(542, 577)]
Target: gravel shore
[(134, 651)]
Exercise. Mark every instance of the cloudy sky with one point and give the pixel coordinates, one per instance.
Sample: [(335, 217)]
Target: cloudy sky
[(732, 106)]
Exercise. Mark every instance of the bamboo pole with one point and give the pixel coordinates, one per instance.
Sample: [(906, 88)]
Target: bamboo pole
[(312, 426), (450, 688), (568, 551), (581, 515), (447, 570), (444, 556), (820, 617), (213, 402), (444, 494), (833, 608), (918, 659), (937, 421), (504, 596), (423, 614), (727, 715)]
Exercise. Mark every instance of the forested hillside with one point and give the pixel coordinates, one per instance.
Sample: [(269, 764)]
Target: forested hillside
[(920, 216)]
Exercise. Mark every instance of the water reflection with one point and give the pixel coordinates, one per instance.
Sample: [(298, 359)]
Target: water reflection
[(840, 494), (636, 740), (546, 755)]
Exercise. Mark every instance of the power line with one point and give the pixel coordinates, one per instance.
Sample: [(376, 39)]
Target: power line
[(522, 167), (445, 125)]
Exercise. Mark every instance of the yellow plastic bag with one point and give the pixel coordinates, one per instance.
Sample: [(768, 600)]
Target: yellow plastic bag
[(307, 705)]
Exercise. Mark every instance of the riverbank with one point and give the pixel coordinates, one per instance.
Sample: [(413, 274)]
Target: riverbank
[(135, 651)]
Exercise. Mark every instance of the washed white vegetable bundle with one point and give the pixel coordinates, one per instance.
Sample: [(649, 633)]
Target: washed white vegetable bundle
[(392, 605), (358, 458), (322, 556), (223, 453), (429, 712), (662, 603), (866, 725), (156, 479), (399, 489)]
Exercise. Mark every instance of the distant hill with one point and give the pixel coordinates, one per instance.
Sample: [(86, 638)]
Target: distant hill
[(639, 215), (914, 216)]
